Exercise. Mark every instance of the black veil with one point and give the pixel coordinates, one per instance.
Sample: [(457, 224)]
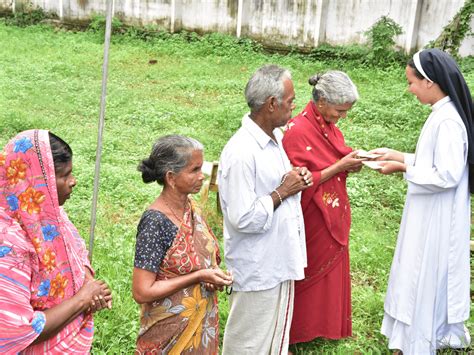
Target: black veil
[(442, 69)]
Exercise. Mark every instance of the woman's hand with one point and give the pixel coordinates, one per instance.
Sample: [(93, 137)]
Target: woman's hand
[(214, 287), (390, 167), (146, 288), (388, 154), (96, 294), (99, 302), (216, 277), (60, 315), (350, 162)]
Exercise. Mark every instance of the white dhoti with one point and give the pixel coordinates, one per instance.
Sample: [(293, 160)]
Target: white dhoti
[(259, 321)]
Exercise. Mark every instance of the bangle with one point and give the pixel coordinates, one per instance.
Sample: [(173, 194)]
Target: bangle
[(279, 196)]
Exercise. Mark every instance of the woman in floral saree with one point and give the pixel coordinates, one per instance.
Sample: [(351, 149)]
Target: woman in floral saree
[(47, 291), (176, 269)]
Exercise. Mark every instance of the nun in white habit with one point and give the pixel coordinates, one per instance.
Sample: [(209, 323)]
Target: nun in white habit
[(428, 298)]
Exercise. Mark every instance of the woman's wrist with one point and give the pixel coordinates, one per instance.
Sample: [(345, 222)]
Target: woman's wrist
[(81, 302), (339, 167), (200, 276), (83, 306)]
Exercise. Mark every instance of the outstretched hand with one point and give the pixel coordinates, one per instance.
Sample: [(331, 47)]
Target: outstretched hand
[(388, 154), (390, 167)]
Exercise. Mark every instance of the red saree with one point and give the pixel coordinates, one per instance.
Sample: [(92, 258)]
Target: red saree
[(323, 298)]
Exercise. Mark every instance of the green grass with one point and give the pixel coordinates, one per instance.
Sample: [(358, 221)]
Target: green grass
[(51, 79)]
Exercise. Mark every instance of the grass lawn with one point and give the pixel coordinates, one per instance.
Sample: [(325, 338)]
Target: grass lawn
[(51, 79)]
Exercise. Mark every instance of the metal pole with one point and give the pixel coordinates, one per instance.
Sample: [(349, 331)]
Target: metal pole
[(105, 67), (173, 14), (239, 17), (61, 10)]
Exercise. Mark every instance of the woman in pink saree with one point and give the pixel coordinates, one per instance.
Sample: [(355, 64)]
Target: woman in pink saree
[(47, 289)]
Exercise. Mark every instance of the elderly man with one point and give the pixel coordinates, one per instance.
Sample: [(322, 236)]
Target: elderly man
[(264, 237)]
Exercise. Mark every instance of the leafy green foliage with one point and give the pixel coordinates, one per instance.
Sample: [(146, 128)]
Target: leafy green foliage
[(51, 79), (326, 52), (26, 15), (381, 38), (98, 22), (456, 31)]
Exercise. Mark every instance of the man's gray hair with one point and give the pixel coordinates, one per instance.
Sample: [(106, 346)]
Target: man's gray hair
[(169, 153), (334, 86), (264, 83)]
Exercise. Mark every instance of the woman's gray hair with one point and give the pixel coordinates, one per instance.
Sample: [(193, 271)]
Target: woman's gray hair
[(264, 83), (169, 153), (335, 87)]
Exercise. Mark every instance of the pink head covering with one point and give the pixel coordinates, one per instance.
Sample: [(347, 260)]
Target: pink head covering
[(28, 196)]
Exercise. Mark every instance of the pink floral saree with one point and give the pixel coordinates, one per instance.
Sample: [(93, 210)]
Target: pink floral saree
[(42, 256), (187, 321)]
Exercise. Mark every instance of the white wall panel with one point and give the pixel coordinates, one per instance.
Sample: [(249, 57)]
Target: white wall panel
[(303, 23)]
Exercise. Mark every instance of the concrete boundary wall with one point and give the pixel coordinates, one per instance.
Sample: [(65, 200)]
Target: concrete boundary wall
[(301, 23)]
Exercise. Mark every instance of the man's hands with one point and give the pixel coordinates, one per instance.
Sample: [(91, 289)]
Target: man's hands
[(294, 181)]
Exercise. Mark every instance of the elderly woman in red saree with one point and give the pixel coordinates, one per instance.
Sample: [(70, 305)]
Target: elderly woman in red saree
[(176, 269), (323, 298), (47, 291)]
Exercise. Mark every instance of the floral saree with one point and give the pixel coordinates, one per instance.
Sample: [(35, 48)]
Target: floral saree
[(42, 256), (187, 321)]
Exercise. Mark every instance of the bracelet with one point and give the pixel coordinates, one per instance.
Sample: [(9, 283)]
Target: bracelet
[(279, 196), (283, 179)]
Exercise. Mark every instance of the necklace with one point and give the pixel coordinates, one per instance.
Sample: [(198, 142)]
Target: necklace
[(180, 220)]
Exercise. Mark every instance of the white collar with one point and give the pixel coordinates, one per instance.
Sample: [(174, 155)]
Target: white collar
[(255, 130), (440, 103)]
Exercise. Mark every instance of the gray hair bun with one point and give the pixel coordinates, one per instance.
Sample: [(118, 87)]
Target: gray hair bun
[(147, 169), (314, 79)]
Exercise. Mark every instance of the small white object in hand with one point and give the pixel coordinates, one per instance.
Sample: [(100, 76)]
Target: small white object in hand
[(365, 154)]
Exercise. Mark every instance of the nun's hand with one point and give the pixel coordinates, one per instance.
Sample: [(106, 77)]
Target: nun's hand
[(391, 166), (388, 154)]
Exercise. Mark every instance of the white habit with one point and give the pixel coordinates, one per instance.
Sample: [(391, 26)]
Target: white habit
[(428, 296)]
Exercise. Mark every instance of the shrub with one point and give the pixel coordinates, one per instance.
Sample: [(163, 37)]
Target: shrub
[(381, 40), (97, 25), (27, 15), (327, 52)]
